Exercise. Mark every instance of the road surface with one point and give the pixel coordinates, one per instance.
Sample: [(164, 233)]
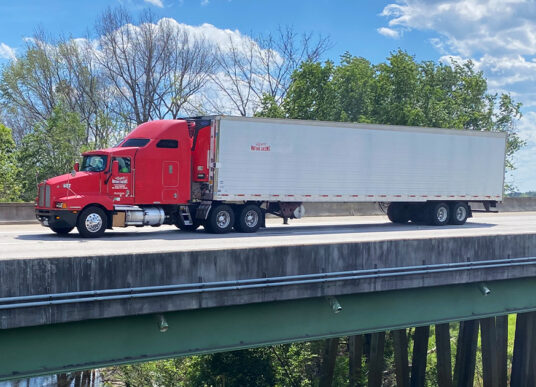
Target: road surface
[(35, 241)]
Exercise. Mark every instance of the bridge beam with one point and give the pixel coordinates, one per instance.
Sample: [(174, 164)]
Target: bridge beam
[(97, 343)]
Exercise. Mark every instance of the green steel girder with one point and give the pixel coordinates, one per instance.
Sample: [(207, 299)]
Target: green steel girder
[(89, 344)]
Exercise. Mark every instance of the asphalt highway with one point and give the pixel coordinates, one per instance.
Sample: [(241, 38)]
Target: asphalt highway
[(35, 241)]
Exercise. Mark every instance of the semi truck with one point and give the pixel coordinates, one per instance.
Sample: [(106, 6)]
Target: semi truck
[(226, 173)]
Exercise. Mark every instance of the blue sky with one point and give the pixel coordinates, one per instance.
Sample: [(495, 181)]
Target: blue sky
[(498, 35)]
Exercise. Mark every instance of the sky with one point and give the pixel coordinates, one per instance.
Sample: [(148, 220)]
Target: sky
[(499, 36)]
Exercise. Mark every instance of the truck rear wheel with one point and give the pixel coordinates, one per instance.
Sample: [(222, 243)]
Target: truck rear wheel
[(438, 213), (61, 230), (249, 218), (220, 219), (92, 222), (398, 213), (459, 212)]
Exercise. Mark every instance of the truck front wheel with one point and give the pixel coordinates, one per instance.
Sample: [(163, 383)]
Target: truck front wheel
[(249, 218), (92, 222), (220, 219)]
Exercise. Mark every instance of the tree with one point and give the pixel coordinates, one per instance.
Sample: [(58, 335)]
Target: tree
[(9, 183), (50, 149), (399, 91), (250, 68), (154, 67), (311, 93)]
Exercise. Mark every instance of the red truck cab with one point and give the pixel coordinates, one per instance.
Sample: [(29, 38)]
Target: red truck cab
[(145, 180)]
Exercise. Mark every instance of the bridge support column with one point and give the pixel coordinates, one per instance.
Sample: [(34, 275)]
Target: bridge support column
[(355, 355), (464, 370), (523, 362), (444, 364), (377, 344), (501, 330), (328, 366), (420, 352), (488, 339), (400, 344)]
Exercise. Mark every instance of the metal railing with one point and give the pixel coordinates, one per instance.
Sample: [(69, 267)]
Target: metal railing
[(39, 300)]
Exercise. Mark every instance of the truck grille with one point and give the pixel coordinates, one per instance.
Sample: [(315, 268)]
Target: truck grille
[(44, 195)]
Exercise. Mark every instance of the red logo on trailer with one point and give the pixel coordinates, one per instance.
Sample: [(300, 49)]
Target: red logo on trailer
[(260, 147)]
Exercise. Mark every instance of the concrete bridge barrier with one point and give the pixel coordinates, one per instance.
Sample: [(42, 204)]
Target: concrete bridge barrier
[(12, 213)]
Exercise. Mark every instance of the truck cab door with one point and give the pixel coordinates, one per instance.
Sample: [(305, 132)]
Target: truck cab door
[(120, 184), (170, 181)]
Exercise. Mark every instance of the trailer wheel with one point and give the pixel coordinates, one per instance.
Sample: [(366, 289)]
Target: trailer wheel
[(459, 212), (438, 214), (220, 219), (249, 218), (61, 230), (398, 213), (92, 222)]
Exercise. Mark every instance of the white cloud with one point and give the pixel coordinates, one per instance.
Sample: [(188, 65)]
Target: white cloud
[(156, 3), (389, 32), (7, 52), (205, 2), (471, 26), (499, 36)]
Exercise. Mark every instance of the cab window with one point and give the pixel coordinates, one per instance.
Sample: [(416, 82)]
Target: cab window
[(94, 163), (124, 164), (167, 144)]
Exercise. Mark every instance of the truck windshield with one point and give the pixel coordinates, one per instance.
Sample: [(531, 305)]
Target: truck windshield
[(94, 163)]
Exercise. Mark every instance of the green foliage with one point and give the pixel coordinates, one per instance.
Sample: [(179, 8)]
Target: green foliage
[(399, 91), (250, 367), (50, 149), (311, 93), (10, 186), (269, 108)]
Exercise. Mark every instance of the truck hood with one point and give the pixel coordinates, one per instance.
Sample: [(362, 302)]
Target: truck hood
[(81, 183)]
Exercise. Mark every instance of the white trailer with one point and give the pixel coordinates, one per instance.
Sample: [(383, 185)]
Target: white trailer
[(427, 174)]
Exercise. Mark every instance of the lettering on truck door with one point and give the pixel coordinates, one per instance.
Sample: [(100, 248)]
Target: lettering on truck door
[(120, 185)]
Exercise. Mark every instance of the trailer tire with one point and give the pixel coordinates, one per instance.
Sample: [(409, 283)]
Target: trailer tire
[(459, 212), (92, 222), (398, 213), (220, 219), (438, 213), (61, 230), (249, 218)]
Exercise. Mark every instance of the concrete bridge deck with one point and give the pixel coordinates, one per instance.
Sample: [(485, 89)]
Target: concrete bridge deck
[(144, 271), (237, 291), (33, 241)]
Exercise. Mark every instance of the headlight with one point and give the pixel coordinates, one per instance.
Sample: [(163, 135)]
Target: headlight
[(61, 205)]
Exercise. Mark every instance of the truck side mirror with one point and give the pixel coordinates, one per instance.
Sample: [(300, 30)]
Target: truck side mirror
[(115, 168), (76, 167)]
